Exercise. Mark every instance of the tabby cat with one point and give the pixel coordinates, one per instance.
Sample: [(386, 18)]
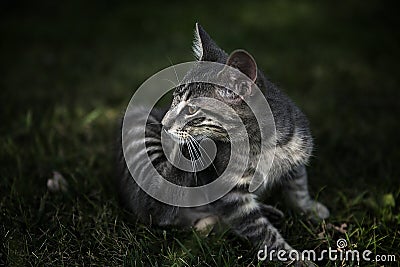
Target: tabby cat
[(239, 209)]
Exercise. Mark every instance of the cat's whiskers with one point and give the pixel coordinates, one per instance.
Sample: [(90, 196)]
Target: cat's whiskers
[(185, 138), (192, 161), (154, 123), (195, 149), (180, 150), (205, 152)]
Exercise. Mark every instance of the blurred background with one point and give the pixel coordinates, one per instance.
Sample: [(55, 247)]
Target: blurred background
[(68, 71)]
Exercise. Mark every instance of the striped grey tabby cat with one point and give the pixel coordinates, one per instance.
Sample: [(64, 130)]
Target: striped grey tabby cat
[(238, 209)]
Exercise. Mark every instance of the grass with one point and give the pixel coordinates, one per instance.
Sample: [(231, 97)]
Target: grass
[(68, 71)]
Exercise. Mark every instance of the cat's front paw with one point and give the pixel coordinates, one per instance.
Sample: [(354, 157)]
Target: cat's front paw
[(273, 214), (316, 211), (206, 225)]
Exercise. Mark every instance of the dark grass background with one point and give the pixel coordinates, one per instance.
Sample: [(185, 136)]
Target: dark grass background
[(68, 71)]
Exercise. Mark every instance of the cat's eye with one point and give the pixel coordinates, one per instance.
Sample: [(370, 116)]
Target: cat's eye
[(192, 109)]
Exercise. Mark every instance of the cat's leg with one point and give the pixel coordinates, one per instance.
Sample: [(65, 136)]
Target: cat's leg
[(273, 214), (204, 221), (244, 215), (297, 195)]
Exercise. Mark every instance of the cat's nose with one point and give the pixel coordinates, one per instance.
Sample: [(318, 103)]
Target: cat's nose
[(166, 122), (166, 127)]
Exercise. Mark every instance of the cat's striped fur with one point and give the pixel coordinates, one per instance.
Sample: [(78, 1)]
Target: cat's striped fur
[(239, 209)]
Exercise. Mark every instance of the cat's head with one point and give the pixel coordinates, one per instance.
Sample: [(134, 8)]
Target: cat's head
[(202, 109)]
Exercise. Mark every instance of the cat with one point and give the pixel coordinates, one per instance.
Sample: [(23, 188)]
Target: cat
[(239, 209)]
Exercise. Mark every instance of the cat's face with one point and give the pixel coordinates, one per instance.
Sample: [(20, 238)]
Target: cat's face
[(199, 109), (190, 117)]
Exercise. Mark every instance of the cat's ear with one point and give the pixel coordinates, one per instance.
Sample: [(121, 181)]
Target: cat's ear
[(241, 88), (205, 49), (243, 61)]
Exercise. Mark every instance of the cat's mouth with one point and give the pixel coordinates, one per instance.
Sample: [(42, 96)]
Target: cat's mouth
[(180, 137)]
